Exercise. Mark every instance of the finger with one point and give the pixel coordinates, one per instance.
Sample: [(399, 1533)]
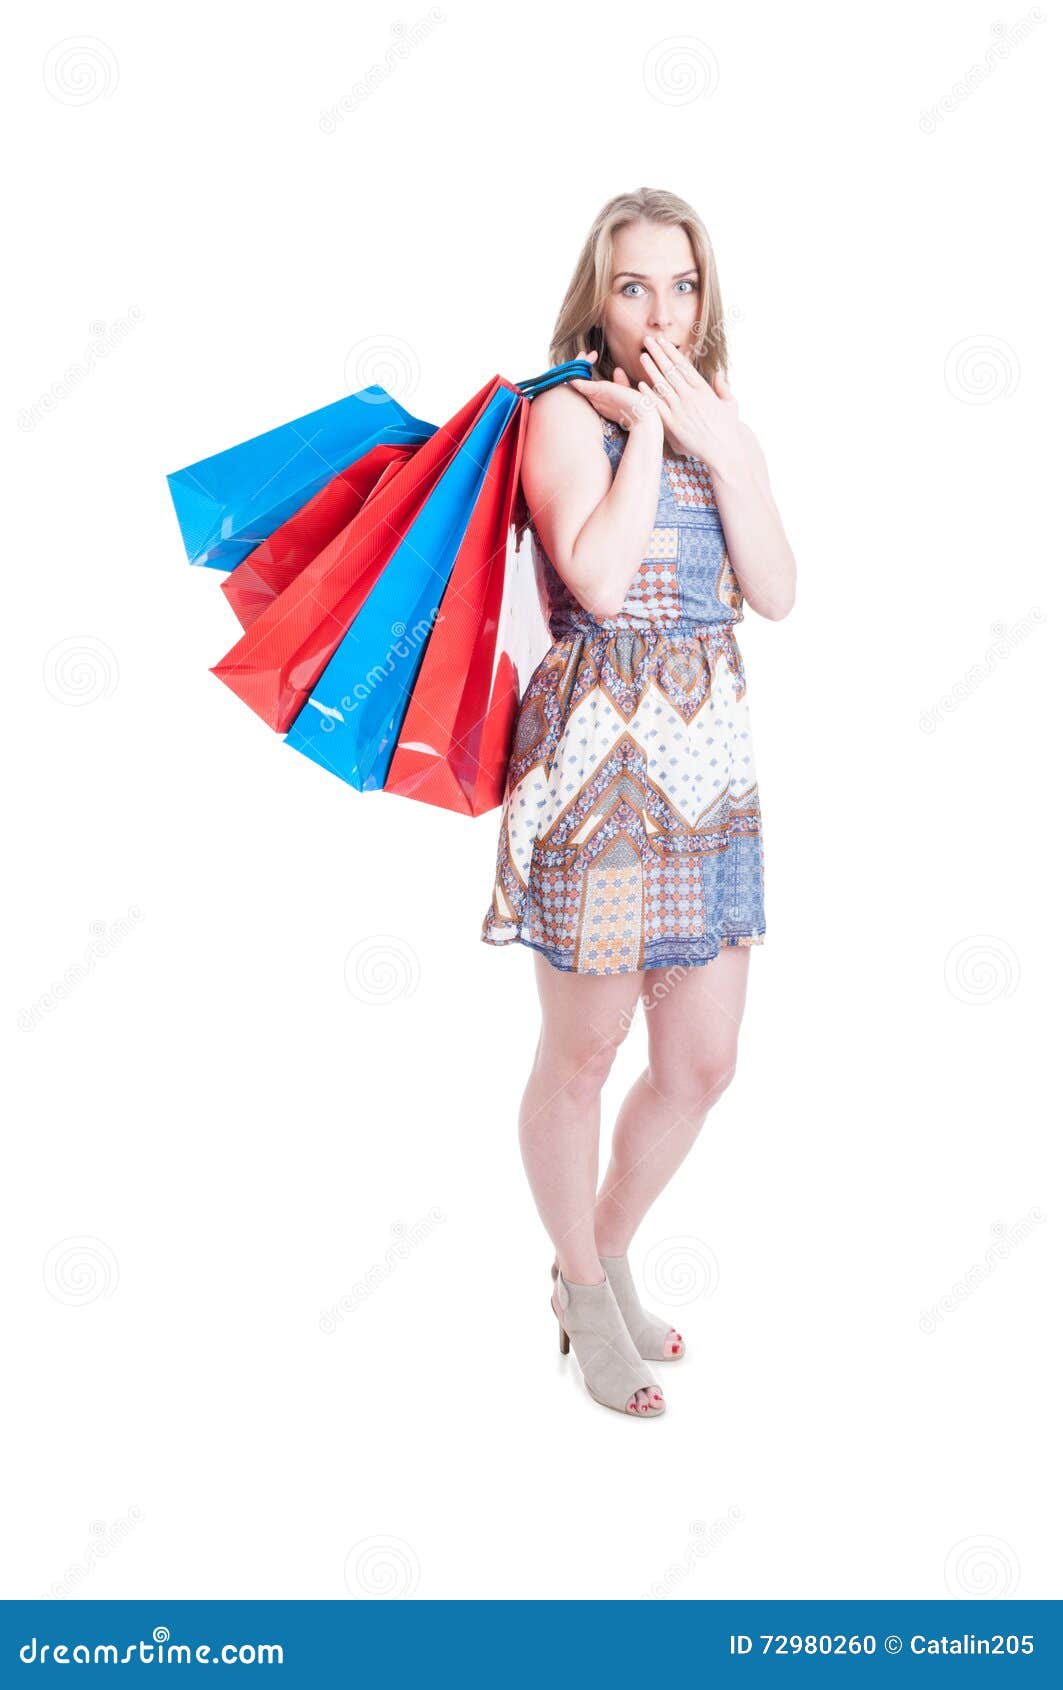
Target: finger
[(656, 358), (658, 399), (658, 379), (673, 365), (719, 382), (683, 364), (620, 375), (653, 371)]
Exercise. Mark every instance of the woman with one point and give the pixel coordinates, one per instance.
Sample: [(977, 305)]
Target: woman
[(629, 853)]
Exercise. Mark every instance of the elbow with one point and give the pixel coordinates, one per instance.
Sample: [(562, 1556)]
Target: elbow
[(779, 600), (603, 608), (775, 609), (605, 611)]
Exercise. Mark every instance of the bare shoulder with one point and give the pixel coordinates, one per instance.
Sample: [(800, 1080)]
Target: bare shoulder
[(564, 439), (565, 470), (563, 416)]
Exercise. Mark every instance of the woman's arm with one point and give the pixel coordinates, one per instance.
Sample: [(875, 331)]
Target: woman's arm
[(594, 525), (759, 551)]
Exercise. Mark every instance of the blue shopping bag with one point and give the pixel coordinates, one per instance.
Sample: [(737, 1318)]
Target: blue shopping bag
[(227, 504), (352, 717)]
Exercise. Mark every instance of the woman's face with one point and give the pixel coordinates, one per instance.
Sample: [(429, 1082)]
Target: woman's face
[(655, 289)]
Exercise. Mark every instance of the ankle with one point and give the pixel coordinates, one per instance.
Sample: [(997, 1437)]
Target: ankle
[(613, 1247), (580, 1271)]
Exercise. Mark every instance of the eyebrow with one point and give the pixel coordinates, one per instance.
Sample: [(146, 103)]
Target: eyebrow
[(639, 277)]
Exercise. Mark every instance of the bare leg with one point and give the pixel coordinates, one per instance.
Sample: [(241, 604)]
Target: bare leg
[(585, 1019), (693, 1017)]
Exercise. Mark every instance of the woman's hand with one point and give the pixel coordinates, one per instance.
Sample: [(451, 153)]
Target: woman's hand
[(617, 400), (698, 418)]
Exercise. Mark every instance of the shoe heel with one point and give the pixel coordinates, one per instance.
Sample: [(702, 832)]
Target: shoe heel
[(561, 1333)]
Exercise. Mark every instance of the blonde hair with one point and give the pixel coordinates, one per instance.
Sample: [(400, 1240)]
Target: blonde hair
[(578, 329)]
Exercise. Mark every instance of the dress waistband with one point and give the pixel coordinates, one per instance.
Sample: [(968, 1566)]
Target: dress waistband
[(568, 622)]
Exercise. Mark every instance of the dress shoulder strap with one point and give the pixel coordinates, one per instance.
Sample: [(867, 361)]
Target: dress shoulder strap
[(613, 438)]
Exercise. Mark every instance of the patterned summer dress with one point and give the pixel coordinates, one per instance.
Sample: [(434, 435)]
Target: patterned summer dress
[(631, 829)]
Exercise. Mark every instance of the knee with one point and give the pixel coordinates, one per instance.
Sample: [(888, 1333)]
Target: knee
[(695, 1078), (582, 1064)]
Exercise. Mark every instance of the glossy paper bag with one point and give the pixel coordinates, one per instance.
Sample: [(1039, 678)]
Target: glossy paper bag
[(228, 504), (354, 711), (277, 661)]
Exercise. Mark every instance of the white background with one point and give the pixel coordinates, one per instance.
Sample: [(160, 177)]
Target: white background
[(301, 1050)]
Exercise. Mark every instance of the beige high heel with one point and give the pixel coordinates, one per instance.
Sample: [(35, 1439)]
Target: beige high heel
[(589, 1321)]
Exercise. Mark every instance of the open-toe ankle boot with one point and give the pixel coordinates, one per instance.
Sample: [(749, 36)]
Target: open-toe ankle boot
[(654, 1338), (589, 1319)]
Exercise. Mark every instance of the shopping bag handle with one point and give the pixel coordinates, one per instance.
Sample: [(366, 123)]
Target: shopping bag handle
[(553, 378)]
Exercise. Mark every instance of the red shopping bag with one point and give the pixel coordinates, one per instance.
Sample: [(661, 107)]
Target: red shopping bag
[(274, 564), (278, 659)]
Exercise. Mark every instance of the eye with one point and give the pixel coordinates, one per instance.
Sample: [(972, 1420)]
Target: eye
[(684, 282)]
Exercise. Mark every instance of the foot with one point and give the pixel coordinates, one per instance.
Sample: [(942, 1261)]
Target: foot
[(646, 1400)]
